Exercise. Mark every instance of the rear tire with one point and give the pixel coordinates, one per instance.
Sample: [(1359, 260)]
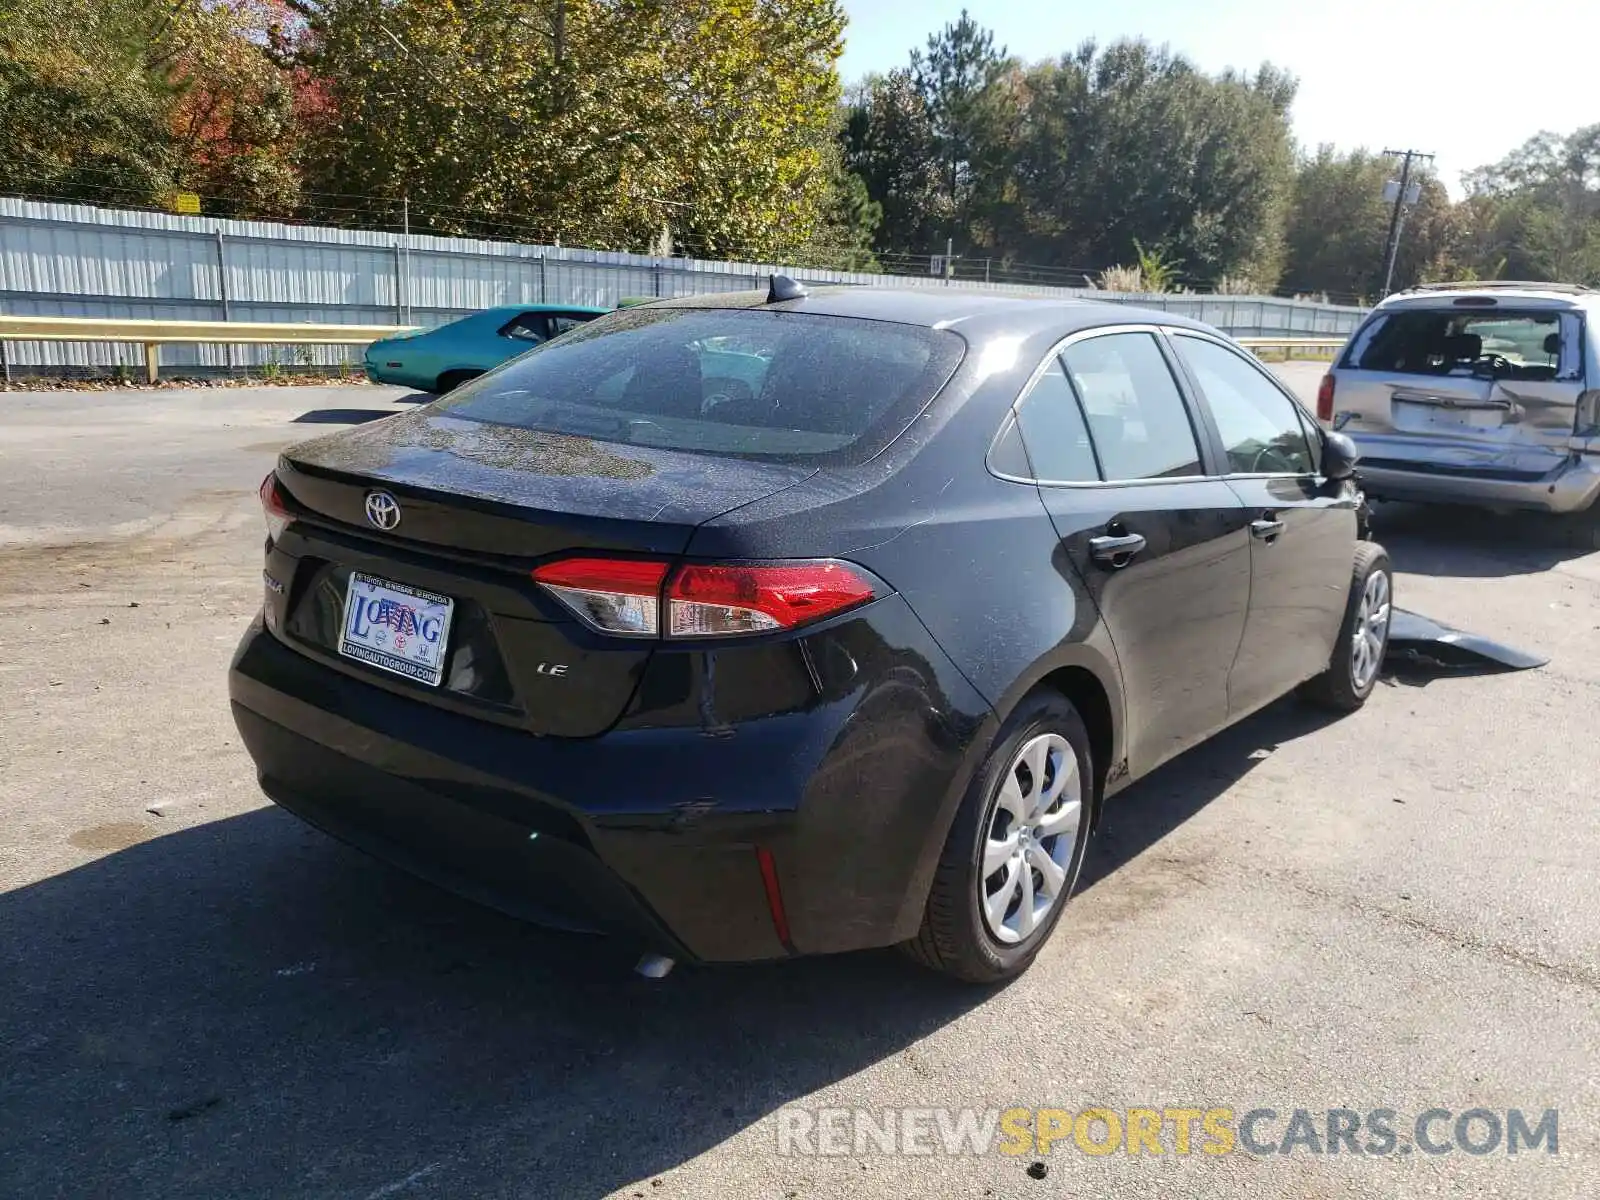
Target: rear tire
[(451, 380), (1363, 635), (1026, 815)]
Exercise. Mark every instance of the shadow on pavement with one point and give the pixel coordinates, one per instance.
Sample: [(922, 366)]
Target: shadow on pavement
[(246, 1008), (1476, 543), (1138, 818), (416, 398), (340, 416)]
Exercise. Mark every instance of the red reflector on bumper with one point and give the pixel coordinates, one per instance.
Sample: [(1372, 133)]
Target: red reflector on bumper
[(769, 879)]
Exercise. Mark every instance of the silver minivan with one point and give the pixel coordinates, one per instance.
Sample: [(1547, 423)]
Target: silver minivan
[(1481, 393)]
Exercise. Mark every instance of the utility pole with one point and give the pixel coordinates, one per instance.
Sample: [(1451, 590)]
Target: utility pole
[(949, 259), (405, 225), (1402, 197), (404, 276)]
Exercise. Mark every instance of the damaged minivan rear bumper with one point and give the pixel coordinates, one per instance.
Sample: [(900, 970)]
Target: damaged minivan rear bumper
[(1572, 486)]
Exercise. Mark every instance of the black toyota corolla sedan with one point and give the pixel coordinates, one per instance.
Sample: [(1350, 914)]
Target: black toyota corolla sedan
[(783, 623)]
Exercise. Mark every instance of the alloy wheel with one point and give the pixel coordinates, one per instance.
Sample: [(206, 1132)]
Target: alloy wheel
[(1029, 838), (1371, 632)]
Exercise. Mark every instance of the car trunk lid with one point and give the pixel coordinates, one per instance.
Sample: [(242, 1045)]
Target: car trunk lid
[(479, 506), (511, 492)]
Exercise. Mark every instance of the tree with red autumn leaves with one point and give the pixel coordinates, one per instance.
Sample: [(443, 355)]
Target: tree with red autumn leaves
[(127, 101)]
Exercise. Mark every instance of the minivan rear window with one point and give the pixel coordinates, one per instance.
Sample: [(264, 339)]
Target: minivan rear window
[(1505, 345), (743, 382)]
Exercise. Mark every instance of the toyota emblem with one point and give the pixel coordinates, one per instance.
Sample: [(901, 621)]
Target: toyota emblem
[(383, 510)]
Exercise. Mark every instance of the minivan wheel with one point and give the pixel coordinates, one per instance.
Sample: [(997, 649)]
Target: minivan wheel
[(1363, 637), (1014, 850)]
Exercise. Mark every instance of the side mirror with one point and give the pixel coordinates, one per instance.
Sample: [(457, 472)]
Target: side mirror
[(1339, 456)]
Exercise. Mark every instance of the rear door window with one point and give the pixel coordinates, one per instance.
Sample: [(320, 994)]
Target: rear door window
[(746, 382), (1261, 429), (1054, 432), (1494, 343), (1137, 419)]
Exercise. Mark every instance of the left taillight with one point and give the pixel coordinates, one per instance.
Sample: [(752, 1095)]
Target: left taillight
[(273, 507), (633, 598)]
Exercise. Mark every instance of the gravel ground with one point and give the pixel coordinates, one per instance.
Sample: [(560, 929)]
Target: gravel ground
[(205, 998)]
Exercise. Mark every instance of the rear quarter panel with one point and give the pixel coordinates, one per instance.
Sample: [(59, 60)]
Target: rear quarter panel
[(976, 558)]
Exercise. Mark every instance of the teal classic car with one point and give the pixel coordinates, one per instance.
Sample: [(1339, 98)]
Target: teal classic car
[(439, 359)]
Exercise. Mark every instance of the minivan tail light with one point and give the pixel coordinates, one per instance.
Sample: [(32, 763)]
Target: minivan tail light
[(625, 597), (273, 507), (1325, 398), (614, 595)]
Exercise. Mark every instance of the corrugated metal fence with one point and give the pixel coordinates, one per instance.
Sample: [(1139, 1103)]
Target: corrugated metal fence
[(78, 261)]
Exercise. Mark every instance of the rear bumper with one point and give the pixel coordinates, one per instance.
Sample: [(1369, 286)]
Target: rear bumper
[(501, 863), (1571, 487), (650, 833)]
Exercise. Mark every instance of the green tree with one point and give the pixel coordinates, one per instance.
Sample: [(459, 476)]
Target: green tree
[(958, 77), (888, 142), (1338, 228), (1537, 211), (123, 101), (849, 223), (1131, 144), (85, 97), (595, 121)]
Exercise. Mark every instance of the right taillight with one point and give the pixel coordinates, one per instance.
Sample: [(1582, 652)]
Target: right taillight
[(726, 600), (1325, 398), (634, 598)]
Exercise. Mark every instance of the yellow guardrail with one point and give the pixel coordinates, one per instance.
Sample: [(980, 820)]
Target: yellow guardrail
[(1317, 348), (152, 335)]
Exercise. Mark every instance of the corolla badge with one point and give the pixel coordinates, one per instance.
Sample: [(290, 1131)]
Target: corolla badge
[(383, 510)]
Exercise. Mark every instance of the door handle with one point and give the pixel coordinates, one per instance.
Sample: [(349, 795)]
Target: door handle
[(1115, 550), (1266, 528)]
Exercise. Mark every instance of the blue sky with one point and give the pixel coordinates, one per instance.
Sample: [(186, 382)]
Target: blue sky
[(1468, 80)]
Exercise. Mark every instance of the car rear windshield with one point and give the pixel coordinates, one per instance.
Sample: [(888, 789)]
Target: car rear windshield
[(1504, 344), (743, 382)]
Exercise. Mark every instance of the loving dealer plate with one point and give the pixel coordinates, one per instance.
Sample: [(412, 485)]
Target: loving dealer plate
[(396, 628)]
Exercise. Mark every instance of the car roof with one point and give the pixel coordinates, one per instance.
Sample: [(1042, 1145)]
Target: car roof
[(1494, 293), (975, 314)]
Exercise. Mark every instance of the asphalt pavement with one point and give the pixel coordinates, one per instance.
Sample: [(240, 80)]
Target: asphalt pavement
[(204, 998)]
